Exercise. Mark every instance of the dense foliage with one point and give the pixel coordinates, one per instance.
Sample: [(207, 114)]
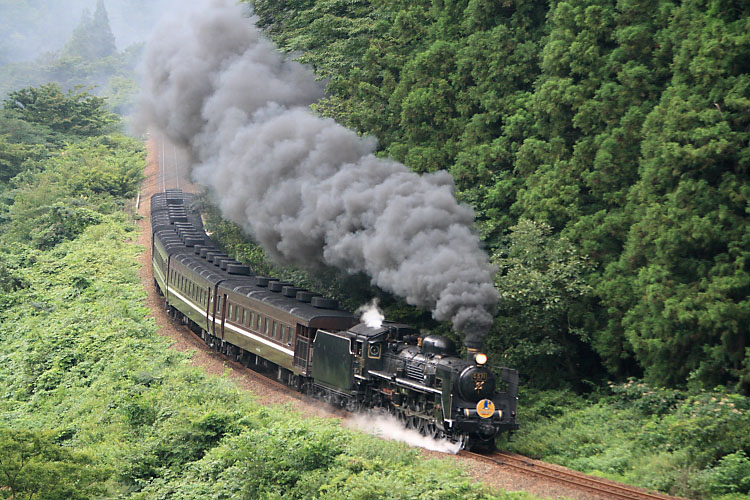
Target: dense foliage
[(690, 445), (622, 125)]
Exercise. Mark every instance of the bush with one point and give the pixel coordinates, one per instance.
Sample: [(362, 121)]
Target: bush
[(691, 445), (61, 222), (731, 474)]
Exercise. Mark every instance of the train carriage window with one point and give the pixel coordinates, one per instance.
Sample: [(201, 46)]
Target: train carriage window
[(236, 313), (275, 330), (244, 316), (268, 327), (258, 323), (229, 316)]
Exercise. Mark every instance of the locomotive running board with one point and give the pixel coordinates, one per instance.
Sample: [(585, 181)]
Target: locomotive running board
[(407, 383)]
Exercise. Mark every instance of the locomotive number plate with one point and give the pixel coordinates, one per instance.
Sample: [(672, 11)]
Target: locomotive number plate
[(486, 408)]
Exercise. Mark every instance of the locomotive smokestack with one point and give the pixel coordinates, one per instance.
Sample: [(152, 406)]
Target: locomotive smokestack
[(309, 190)]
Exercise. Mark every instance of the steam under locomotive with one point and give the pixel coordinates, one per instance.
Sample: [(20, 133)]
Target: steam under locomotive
[(319, 349)]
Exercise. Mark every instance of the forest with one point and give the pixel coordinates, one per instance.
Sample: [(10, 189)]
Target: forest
[(604, 147)]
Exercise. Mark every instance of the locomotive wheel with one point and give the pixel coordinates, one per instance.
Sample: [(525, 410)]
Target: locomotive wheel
[(430, 430), (420, 424), (353, 406), (412, 423), (463, 440)]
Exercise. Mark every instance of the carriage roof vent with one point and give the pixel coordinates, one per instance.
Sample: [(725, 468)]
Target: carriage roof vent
[(277, 286), (324, 303)]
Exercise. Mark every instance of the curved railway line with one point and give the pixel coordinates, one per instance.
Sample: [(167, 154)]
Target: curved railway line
[(168, 176), (599, 486)]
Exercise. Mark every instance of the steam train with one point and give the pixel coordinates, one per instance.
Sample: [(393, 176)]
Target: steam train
[(315, 347)]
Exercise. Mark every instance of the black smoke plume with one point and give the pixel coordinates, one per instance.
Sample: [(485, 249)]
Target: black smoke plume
[(308, 189)]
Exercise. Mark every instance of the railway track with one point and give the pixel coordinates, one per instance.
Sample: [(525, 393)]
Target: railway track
[(169, 165), (567, 477)]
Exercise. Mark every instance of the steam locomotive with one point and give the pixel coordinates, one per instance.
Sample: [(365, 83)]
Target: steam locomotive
[(319, 349)]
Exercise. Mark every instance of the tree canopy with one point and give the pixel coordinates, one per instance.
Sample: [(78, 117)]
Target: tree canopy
[(621, 125), (92, 39), (74, 112)]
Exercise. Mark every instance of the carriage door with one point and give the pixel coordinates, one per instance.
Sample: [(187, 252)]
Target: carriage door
[(223, 308), (302, 346)]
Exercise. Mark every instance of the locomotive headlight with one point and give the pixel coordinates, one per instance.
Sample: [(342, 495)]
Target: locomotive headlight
[(480, 358)]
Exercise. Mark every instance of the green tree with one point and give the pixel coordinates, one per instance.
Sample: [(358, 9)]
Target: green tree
[(13, 157), (74, 112), (682, 283), (93, 38), (541, 327), (33, 466)]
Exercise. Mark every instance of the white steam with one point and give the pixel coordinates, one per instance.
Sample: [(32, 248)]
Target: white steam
[(388, 427), (371, 315), (309, 190)]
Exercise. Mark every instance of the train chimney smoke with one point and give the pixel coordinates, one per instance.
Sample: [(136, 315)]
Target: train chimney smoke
[(309, 190)]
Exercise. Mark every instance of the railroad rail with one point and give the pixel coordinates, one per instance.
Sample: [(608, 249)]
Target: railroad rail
[(567, 477)]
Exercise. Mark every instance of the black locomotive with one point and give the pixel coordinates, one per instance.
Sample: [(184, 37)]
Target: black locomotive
[(317, 348)]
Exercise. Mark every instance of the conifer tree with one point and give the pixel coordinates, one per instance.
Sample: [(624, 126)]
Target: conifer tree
[(93, 38)]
